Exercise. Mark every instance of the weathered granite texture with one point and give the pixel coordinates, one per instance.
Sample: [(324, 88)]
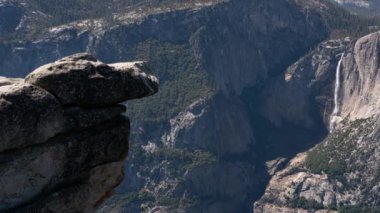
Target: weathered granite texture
[(63, 138)]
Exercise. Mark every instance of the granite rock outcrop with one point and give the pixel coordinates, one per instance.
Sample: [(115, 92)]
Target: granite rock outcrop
[(341, 173), (64, 138)]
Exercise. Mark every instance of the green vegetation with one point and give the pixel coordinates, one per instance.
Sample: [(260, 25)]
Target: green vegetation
[(175, 163), (61, 12), (305, 204), (145, 196), (340, 22), (180, 82), (167, 201), (329, 159), (171, 201), (359, 209), (56, 12), (72, 10), (142, 196), (343, 23), (181, 159), (330, 156), (200, 158)]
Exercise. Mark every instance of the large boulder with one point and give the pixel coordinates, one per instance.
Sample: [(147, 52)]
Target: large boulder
[(76, 92), (28, 115), (63, 135), (82, 80)]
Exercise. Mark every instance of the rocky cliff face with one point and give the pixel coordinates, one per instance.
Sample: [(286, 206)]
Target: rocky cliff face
[(234, 107), (212, 57), (341, 173), (63, 136)]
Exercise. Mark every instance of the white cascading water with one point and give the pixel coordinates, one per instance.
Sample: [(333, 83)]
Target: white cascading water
[(335, 115)]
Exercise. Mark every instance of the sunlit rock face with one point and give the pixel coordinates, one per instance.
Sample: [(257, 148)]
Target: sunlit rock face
[(95, 84), (342, 172), (61, 151)]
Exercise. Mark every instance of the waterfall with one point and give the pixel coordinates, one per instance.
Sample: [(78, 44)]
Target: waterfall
[(335, 115)]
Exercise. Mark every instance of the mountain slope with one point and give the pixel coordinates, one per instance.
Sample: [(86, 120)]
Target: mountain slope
[(341, 173), (226, 118), (362, 7), (208, 56)]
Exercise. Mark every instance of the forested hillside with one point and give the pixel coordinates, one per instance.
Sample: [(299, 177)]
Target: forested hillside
[(36, 16), (342, 22), (367, 8)]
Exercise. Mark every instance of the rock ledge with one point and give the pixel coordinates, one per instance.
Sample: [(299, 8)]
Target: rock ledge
[(63, 138)]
